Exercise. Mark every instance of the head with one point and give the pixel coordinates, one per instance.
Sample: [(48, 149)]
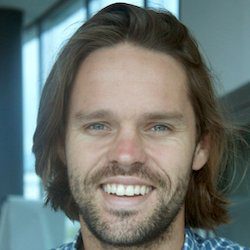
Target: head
[(86, 92)]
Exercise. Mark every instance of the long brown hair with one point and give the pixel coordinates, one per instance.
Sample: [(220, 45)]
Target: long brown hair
[(160, 31)]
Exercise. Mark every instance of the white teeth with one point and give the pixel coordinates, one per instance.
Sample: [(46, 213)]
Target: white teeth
[(137, 189), (120, 191), (113, 189), (126, 190), (129, 190), (143, 190)]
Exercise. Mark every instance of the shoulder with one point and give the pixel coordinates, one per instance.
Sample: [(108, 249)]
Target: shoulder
[(68, 246), (194, 241)]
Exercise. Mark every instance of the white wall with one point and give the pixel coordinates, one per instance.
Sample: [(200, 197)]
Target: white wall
[(222, 28)]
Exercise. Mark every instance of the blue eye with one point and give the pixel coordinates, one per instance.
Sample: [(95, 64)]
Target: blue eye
[(97, 126), (160, 128)]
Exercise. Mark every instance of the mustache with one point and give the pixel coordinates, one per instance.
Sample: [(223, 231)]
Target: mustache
[(137, 169)]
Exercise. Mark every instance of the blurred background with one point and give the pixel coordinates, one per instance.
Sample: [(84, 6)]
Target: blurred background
[(31, 34)]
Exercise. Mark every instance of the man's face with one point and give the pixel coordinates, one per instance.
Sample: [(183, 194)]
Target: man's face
[(130, 143)]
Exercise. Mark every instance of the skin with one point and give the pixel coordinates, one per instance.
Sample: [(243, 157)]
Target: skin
[(131, 122)]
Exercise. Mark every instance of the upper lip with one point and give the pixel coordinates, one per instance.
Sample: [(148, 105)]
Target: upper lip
[(126, 180)]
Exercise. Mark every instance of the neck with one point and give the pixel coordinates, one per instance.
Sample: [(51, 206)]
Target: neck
[(173, 238)]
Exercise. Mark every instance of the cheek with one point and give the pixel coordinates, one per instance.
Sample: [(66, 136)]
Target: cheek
[(173, 157), (83, 155)]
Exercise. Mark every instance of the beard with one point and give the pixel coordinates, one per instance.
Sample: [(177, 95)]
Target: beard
[(125, 229)]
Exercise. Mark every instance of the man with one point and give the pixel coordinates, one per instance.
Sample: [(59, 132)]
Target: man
[(129, 140)]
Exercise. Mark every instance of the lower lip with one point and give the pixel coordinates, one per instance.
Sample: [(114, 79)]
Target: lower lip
[(124, 202)]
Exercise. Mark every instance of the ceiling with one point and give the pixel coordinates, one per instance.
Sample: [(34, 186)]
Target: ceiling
[(32, 9)]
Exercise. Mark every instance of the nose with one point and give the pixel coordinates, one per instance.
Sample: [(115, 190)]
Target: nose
[(127, 149)]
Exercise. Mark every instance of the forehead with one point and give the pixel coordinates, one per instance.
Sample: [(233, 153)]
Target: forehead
[(128, 58), (129, 78)]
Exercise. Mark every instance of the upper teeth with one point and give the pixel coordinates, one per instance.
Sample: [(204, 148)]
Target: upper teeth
[(128, 190)]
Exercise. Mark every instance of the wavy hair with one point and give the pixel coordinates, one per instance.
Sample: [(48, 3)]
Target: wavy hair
[(205, 205)]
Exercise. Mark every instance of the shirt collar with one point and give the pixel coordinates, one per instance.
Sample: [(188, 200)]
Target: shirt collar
[(191, 240)]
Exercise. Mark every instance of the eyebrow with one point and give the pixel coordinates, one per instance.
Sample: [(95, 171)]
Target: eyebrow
[(98, 114), (107, 114), (175, 116)]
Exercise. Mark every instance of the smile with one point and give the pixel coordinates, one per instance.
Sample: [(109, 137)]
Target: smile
[(126, 190)]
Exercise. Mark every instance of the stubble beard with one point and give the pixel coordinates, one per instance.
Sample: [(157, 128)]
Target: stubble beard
[(125, 230)]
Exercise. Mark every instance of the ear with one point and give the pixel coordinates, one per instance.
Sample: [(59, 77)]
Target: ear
[(202, 151)]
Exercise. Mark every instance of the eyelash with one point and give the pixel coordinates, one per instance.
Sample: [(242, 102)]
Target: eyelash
[(94, 127), (160, 129), (160, 126)]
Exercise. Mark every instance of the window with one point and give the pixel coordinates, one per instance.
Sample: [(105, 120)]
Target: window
[(54, 38), (170, 5), (30, 105), (96, 5)]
